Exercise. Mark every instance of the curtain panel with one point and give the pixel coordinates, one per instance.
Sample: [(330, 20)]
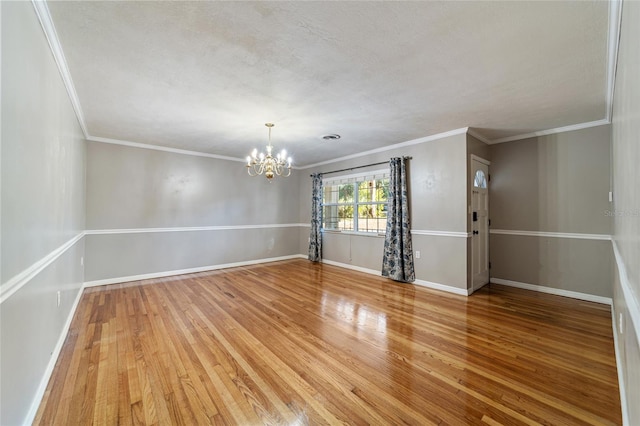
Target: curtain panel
[(397, 261), (315, 237)]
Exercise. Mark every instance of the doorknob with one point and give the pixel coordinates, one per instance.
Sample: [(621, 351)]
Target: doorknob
[(476, 232)]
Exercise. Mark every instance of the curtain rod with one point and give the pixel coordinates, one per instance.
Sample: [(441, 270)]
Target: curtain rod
[(361, 167)]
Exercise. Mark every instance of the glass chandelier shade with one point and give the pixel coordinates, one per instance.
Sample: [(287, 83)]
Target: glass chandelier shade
[(268, 165)]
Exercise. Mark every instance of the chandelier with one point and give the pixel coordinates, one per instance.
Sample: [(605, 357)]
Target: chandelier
[(270, 166)]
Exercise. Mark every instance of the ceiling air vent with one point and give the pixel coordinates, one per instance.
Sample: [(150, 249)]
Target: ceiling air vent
[(331, 137)]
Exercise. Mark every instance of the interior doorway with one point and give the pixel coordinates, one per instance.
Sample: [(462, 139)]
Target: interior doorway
[(479, 222)]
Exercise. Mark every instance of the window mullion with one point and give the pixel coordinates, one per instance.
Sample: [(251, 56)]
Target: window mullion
[(355, 206)]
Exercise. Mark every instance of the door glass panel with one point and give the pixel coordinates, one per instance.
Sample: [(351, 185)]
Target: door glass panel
[(480, 180)]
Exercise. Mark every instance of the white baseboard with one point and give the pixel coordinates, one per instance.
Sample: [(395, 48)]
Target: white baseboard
[(421, 283), (163, 274), (556, 291), (352, 267), (442, 287), (37, 399)]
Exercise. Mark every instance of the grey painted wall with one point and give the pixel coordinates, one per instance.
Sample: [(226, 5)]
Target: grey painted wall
[(626, 196), (133, 188), (42, 198), (557, 183), (438, 187)]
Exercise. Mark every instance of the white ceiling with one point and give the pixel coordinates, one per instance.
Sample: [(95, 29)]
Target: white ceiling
[(206, 76)]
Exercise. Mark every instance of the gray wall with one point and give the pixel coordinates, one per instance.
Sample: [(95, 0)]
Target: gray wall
[(626, 205), (558, 183), (438, 191), (42, 198), (136, 189)]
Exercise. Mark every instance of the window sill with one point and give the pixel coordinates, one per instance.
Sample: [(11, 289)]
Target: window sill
[(361, 234)]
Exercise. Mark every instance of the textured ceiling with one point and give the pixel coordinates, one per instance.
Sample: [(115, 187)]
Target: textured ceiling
[(206, 76)]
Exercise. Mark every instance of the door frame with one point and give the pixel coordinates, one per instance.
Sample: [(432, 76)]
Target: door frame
[(487, 163)]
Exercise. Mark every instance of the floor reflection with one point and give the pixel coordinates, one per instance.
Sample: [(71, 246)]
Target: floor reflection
[(384, 328)]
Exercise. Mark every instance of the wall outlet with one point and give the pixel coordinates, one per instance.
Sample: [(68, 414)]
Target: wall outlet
[(621, 323), (58, 298), (81, 260), (417, 254)]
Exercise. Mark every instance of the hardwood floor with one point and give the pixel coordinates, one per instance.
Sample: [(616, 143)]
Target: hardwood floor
[(300, 343)]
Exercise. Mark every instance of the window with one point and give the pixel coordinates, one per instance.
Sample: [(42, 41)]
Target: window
[(356, 203), (480, 180)]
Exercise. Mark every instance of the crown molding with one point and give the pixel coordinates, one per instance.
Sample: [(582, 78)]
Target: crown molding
[(478, 136), (162, 148), (42, 11), (437, 136), (613, 43), (547, 132), (613, 38)]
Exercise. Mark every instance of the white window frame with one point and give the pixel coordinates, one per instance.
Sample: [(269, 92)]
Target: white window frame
[(354, 179)]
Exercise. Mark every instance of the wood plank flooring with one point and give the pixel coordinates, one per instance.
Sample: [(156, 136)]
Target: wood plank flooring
[(298, 343)]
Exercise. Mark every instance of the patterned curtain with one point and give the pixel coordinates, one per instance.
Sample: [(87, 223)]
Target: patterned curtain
[(397, 261), (315, 240)]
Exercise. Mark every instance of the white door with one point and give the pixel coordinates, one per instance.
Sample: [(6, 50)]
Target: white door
[(480, 223)]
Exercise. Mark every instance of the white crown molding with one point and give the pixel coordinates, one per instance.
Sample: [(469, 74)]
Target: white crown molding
[(602, 237), (478, 136), (192, 228), (555, 291), (615, 16), (437, 136), (18, 281), (42, 11), (440, 233), (44, 381), (547, 132), (163, 274), (162, 148), (613, 42)]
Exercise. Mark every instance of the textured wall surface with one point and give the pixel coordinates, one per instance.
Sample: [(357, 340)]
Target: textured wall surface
[(43, 166), (626, 205)]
